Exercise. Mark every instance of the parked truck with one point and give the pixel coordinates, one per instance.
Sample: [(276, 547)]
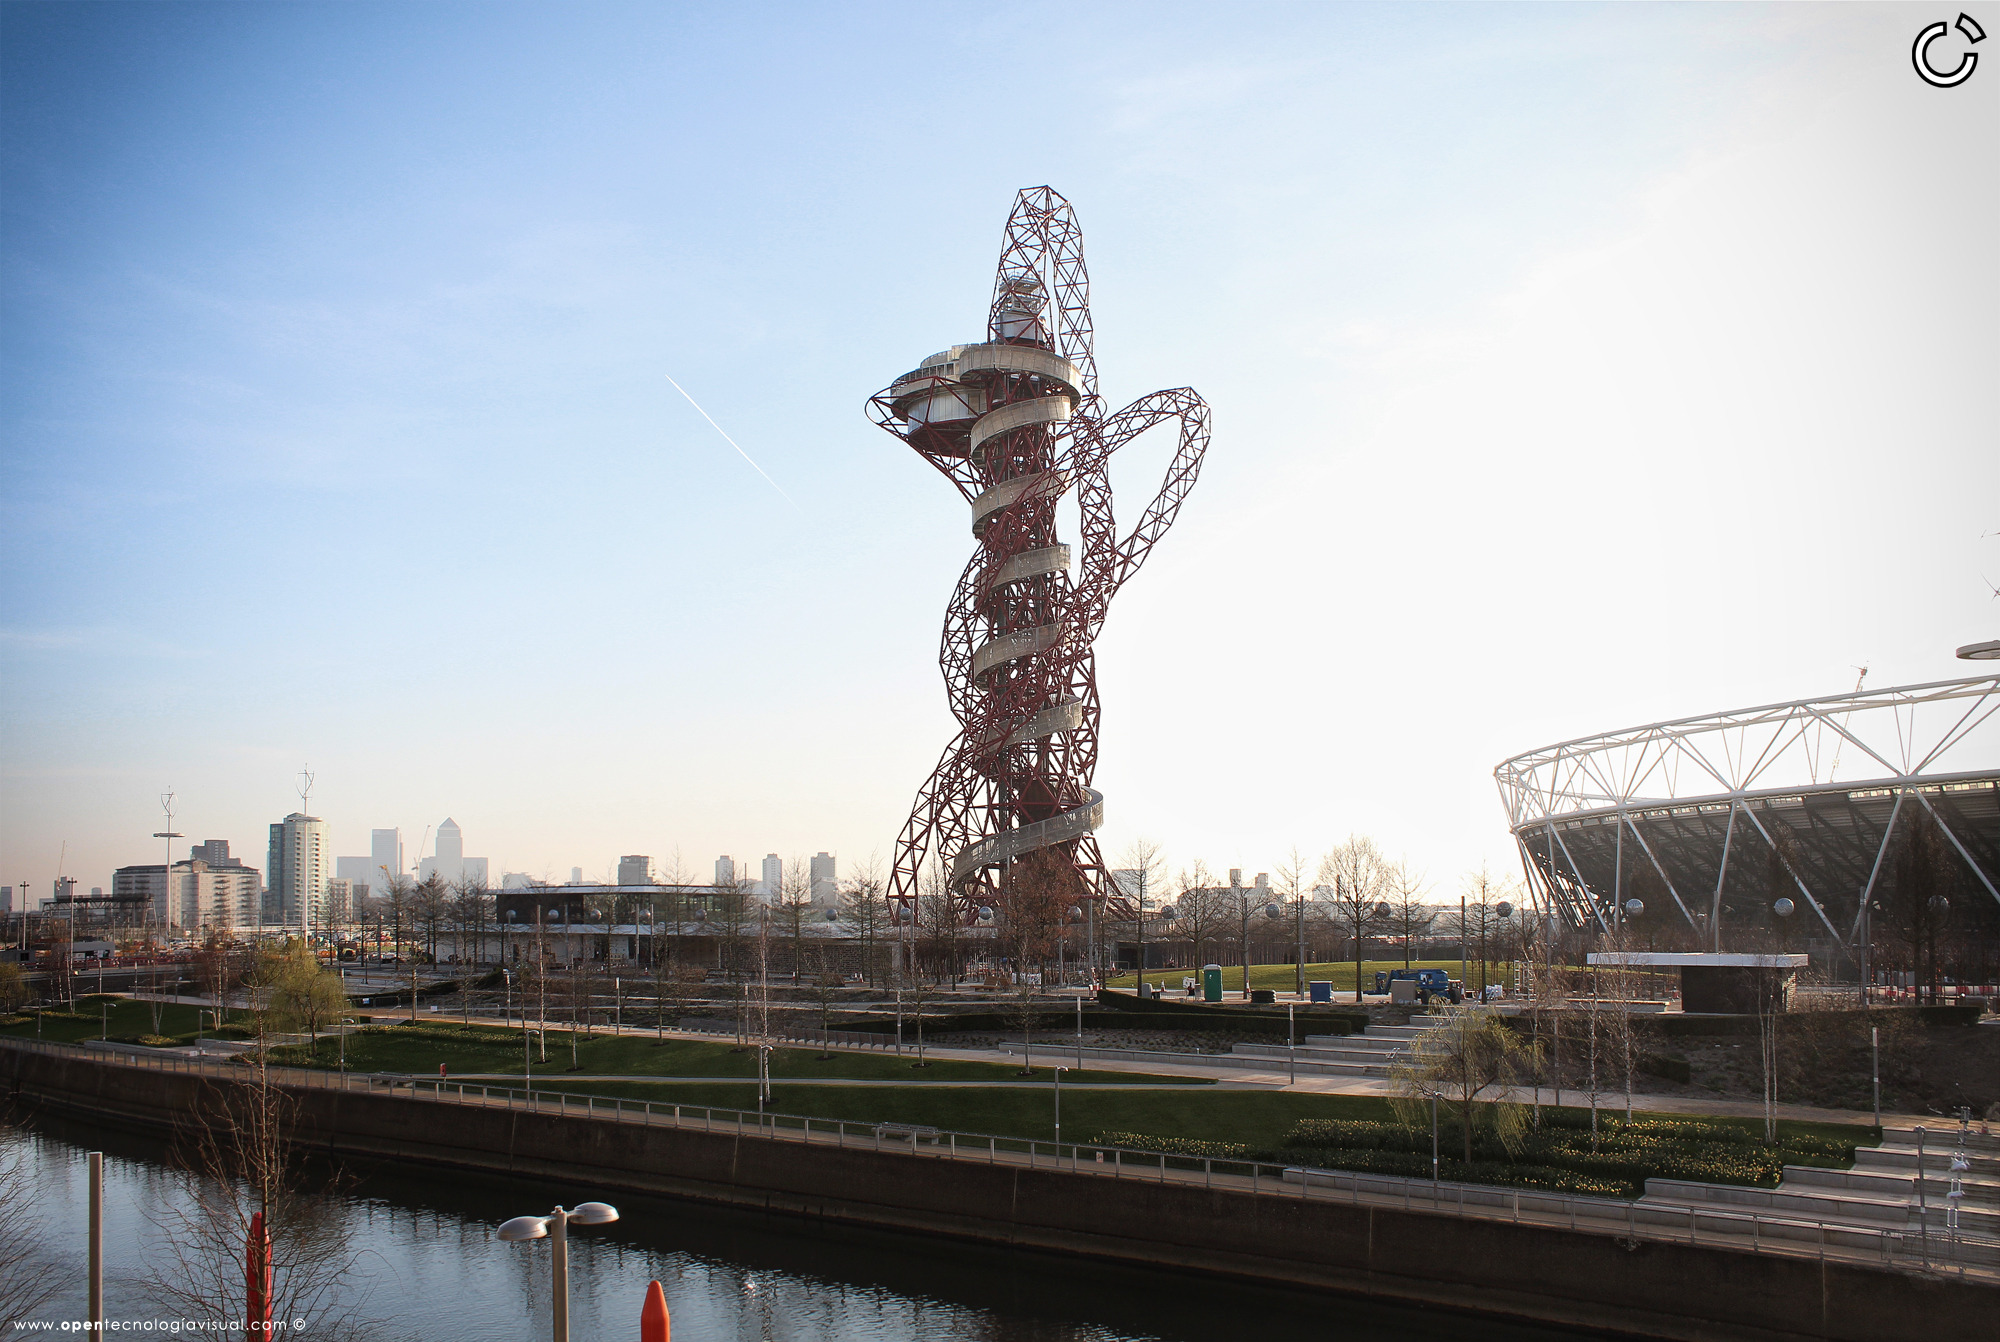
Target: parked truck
[(1430, 983)]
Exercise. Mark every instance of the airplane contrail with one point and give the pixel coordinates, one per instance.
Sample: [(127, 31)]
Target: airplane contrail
[(732, 442)]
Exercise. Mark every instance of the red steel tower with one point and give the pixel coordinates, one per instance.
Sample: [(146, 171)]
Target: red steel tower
[(1015, 423)]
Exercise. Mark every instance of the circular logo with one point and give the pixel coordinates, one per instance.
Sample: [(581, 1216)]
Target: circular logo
[(1967, 63)]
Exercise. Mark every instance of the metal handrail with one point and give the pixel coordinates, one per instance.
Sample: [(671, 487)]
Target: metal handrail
[(1931, 1251)]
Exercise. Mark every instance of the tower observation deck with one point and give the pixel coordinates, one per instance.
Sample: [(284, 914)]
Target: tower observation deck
[(1015, 423)]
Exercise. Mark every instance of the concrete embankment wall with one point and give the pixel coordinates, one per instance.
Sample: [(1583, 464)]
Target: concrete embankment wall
[(1542, 1274)]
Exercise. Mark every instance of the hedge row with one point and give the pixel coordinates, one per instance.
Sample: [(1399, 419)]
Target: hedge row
[(1627, 1154), (1407, 1164)]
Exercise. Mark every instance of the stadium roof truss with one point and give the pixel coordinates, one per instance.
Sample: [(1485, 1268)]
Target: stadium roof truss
[(1691, 799)]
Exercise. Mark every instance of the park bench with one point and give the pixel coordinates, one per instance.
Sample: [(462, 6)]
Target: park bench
[(910, 1132)]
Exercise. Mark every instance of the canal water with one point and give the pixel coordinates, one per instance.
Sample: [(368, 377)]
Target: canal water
[(421, 1262)]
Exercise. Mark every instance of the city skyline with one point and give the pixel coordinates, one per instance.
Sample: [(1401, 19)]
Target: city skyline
[(1578, 368)]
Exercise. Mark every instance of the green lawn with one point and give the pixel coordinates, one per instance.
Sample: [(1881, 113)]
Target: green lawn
[(420, 1049), (1257, 1118), (127, 1020), (1284, 978)]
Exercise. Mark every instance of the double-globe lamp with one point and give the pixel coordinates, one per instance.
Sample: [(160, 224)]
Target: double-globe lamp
[(555, 1227)]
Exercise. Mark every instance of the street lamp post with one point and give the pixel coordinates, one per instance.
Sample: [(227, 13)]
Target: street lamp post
[(1059, 1071), (1240, 894), (166, 872), (555, 1227), (1299, 910), (1139, 969), (1292, 1041)]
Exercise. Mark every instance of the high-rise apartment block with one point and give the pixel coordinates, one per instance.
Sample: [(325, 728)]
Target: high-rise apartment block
[(773, 883), (725, 870), (635, 869), (825, 883), (300, 864), (216, 853), (340, 902), (198, 898)]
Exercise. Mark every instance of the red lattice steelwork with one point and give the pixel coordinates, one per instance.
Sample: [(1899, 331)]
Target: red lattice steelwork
[(1015, 423)]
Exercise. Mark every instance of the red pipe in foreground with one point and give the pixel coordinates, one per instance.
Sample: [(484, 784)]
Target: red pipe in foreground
[(257, 1279)]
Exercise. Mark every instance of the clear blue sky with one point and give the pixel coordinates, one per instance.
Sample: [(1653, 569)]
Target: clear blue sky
[(1572, 367)]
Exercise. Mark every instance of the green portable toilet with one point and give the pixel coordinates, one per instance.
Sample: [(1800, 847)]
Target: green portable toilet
[(1211, 983)]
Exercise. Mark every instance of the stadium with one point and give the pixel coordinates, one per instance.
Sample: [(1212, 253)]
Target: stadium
[(1860, 829)]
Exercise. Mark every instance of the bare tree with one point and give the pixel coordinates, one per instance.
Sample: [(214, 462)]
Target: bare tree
[(939, 932), (1291, 888), (1356, 871), (1409, 919), (471, 907), (431, 911), (1142, 858), (732, 917), (1201, 908), (794, 899), (824, 991), (862, 906), (1479, 923), (29, 1279), (237, 1165)]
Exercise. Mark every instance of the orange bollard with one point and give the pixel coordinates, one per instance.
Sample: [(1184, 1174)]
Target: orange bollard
[(654, 1325)]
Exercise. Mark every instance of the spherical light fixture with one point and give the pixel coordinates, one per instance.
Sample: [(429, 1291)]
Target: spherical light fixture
[(1784, 908), (1634, 907), (1503, 910), (1273, 911)]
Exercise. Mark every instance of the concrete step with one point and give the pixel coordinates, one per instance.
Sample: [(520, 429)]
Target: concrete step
[(1889, 1160), (1349, 1057), (1877, 1183), (1889, 1210), (1395, 1031), (1355, 1043), (1388, 1048), (1942, 1138), (1823, 1205)]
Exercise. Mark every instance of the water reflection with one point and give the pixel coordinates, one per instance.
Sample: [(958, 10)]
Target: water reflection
[(430, 1268)]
